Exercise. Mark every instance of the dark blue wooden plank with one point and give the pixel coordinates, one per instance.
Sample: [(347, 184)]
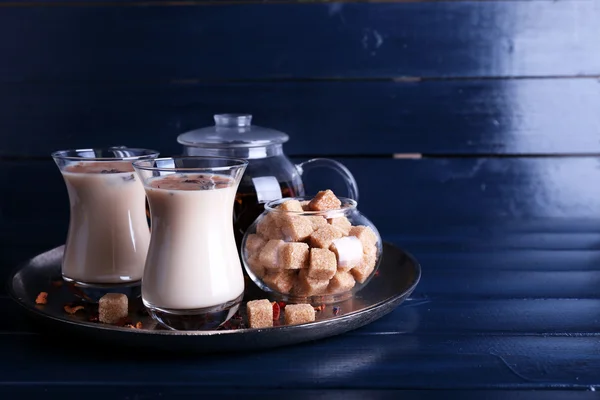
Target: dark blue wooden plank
[(478, 193), (449, 205), (449, 276), (344, 118), (352, 362), (103, 392), (425, 39), (442, 281)]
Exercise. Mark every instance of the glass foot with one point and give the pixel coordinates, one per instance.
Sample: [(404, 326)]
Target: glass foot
[(92, 292), (209, 318)]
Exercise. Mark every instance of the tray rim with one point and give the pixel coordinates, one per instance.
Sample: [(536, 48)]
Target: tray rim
[(210, 333)]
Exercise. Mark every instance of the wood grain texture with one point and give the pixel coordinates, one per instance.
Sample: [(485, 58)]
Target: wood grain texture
[(431, 316), (451, 204), (102, 392), (356, 40), (456, 276), (548, 116), (398, 195), (509, 246), (351, 362), (116, 392)]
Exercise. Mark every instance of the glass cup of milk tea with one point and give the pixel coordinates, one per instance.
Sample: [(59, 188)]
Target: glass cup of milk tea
[(108, 234), (193, 277)]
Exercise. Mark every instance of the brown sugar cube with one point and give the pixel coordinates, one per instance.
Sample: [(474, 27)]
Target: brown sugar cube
[(304, 204), (324, 200), (307, 286), (324, 236), (269, 227), (263, 226), (365, 234), (316, 221), (295, 228), (299, 314), (269, 255), (345, 268), (112, 307), (370, 250), (348, 251), (342, 223), (364, 269), (323, 264), (281, 281), (341, 282), (255, 266), (260, 313), (291, 205), (254, 243), (293, 255)]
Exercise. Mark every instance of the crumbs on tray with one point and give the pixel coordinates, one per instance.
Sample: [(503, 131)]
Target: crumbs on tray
[(42, 298)]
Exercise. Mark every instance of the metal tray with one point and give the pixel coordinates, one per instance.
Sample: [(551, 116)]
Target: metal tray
[(397, 277)]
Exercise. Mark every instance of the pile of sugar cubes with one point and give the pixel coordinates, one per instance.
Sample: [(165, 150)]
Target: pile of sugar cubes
[(311, 254)]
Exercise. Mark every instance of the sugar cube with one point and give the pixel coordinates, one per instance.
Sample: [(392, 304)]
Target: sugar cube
[(348, 249), (281, 281), (255, 265), (113, 307), (342, 223), (260, 313), (364, 269), (307, 286), (325, 200), (269, 227), (323, 264), (324, 236), (366, 235), (295, 228), (317, 221), (254, 243), (299, 314), (370, 249), (291, 205), (305, 205), (269, 255), (341, 282), (293, 255)]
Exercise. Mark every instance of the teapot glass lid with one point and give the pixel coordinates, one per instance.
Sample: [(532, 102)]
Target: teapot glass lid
[(232, 130)]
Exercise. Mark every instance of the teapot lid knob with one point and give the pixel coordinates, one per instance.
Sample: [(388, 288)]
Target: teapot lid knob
[(233, 119)]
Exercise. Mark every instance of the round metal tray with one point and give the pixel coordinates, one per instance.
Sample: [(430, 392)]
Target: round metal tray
[(397, 277)]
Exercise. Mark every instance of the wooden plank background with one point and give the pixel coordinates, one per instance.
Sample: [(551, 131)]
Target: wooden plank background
[(500, 98), (473, 130)]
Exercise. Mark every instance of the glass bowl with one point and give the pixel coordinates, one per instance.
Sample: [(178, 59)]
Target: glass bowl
[(316, 257)]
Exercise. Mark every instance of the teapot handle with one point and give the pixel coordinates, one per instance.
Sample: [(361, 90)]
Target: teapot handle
[(335, 165)]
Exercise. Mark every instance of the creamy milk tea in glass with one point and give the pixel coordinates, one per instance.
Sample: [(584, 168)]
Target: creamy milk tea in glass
[(193, 277), (108, 233)]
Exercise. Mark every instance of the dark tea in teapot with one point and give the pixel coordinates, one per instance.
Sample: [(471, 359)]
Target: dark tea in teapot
[(270, 175), (247, 207)]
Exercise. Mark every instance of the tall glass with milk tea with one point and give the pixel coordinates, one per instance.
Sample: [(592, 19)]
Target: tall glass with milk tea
[(108, 233), (193, 277)]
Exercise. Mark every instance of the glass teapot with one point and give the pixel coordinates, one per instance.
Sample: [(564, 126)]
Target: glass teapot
[(270, 175)]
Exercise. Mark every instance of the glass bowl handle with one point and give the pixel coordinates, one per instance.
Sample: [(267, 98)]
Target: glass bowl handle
[(335, 165)]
